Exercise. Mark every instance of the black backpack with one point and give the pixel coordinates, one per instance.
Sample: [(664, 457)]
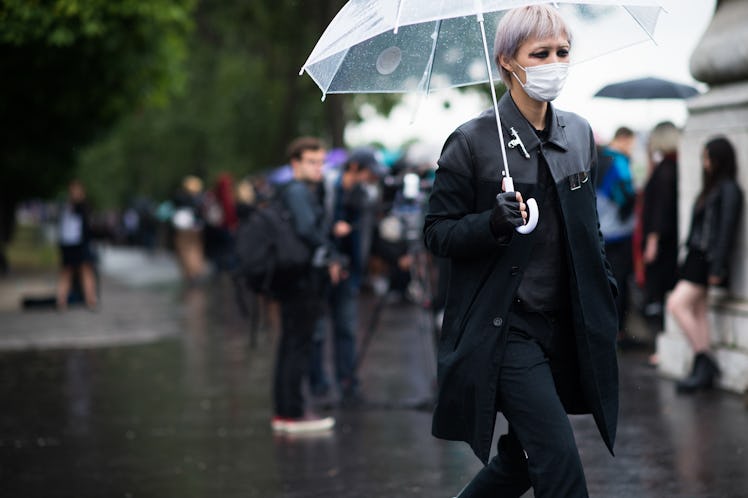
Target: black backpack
[(270, 253)]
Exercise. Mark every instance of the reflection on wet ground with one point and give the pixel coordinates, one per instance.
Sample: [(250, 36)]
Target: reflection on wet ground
[(188, 416)]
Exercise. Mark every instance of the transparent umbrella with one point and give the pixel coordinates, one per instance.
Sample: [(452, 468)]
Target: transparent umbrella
[(393, 46)]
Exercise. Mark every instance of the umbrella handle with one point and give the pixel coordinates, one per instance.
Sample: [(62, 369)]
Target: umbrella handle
[(532, 208), (532, 205)]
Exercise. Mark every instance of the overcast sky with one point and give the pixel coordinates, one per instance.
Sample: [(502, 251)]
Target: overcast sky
[(678, 32)]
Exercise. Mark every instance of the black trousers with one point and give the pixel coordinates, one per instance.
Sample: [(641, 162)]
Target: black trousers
[(539, 450), (298, 316)]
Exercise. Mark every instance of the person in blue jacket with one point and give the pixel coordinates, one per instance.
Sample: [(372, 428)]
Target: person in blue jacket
[(616, 197)]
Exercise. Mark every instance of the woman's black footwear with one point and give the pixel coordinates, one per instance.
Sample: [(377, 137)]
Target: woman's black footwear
[(703, 374)]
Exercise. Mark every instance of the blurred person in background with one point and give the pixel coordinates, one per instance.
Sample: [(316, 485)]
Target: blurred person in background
[(219, 211), (350, 206), (188, 229), (147, 223), (397, 235), (77, 255), (302, 302), (246, 199), (711, 239), (659, 222), (616, 198)]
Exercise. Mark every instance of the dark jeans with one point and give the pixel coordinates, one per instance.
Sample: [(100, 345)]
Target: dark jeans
[(344, 318), (620, 255), (298, 316), (539, 450)]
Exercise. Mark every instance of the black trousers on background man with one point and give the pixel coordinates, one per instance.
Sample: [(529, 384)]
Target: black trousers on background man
[(298, 316), (539, 451)]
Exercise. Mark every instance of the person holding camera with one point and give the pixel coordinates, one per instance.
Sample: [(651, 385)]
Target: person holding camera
[(349, 205)]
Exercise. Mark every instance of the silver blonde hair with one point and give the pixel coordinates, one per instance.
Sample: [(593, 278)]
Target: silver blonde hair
[(521, 24), (664, 138)]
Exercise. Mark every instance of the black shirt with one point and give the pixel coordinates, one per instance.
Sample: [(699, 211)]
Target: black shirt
[(544, 284)]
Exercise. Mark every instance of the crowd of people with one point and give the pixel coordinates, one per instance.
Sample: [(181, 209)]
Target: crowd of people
[(560, 295), (366, 214), (640, 231)]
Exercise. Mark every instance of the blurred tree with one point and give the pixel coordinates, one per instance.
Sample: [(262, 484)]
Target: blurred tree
[(70, 69), (243, 102)]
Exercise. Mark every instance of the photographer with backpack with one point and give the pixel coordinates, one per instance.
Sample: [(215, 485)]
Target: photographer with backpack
[(302, 298)]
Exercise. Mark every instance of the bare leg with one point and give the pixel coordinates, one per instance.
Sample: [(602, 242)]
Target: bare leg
[(88, 281), (63, 287), (687, 303), (702, 313)]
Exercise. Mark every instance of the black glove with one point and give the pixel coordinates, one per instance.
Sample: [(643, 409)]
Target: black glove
[(505, 214)]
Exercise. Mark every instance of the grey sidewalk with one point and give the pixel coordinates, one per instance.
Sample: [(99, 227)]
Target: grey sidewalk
[(138, 295), (188, 415)]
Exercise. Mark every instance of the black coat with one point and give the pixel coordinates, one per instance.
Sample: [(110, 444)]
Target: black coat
[(660, 217), (485, 274), (713, 225)]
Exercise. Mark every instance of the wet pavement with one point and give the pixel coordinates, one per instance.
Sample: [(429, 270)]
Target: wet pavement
[(184, 410)]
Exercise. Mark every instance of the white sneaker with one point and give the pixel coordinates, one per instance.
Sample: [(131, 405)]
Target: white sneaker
[(278, 423), (308, 423)]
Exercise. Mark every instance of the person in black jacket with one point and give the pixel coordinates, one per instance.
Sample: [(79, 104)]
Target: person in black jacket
[(530, 320), (710, 242), (302, 301), (350, 207), (660, 221)]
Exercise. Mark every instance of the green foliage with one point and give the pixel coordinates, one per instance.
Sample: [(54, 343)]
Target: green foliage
[(142, 92), (243, 101), (71, 68)]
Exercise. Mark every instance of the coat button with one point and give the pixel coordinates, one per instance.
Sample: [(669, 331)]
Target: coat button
[(498, 322)]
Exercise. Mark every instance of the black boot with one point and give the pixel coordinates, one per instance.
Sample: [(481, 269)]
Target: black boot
[(705, 370)]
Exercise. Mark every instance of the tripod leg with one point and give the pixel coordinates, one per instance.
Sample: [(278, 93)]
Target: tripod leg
[(422, 272), (370, 330), (249, 311), (254, 320)]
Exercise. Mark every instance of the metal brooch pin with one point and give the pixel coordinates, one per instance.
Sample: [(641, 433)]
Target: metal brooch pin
[(517, 141), (575, 182)]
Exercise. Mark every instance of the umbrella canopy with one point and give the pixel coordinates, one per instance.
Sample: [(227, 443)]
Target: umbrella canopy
[(647, 88), (387, 46)]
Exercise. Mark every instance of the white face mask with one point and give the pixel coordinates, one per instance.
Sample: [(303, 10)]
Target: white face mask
[(544, 82)]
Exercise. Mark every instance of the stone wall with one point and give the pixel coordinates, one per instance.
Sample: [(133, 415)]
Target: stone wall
[(721, 60)]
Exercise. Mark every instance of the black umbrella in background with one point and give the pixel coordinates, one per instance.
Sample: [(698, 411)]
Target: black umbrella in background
[(647, 88)]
